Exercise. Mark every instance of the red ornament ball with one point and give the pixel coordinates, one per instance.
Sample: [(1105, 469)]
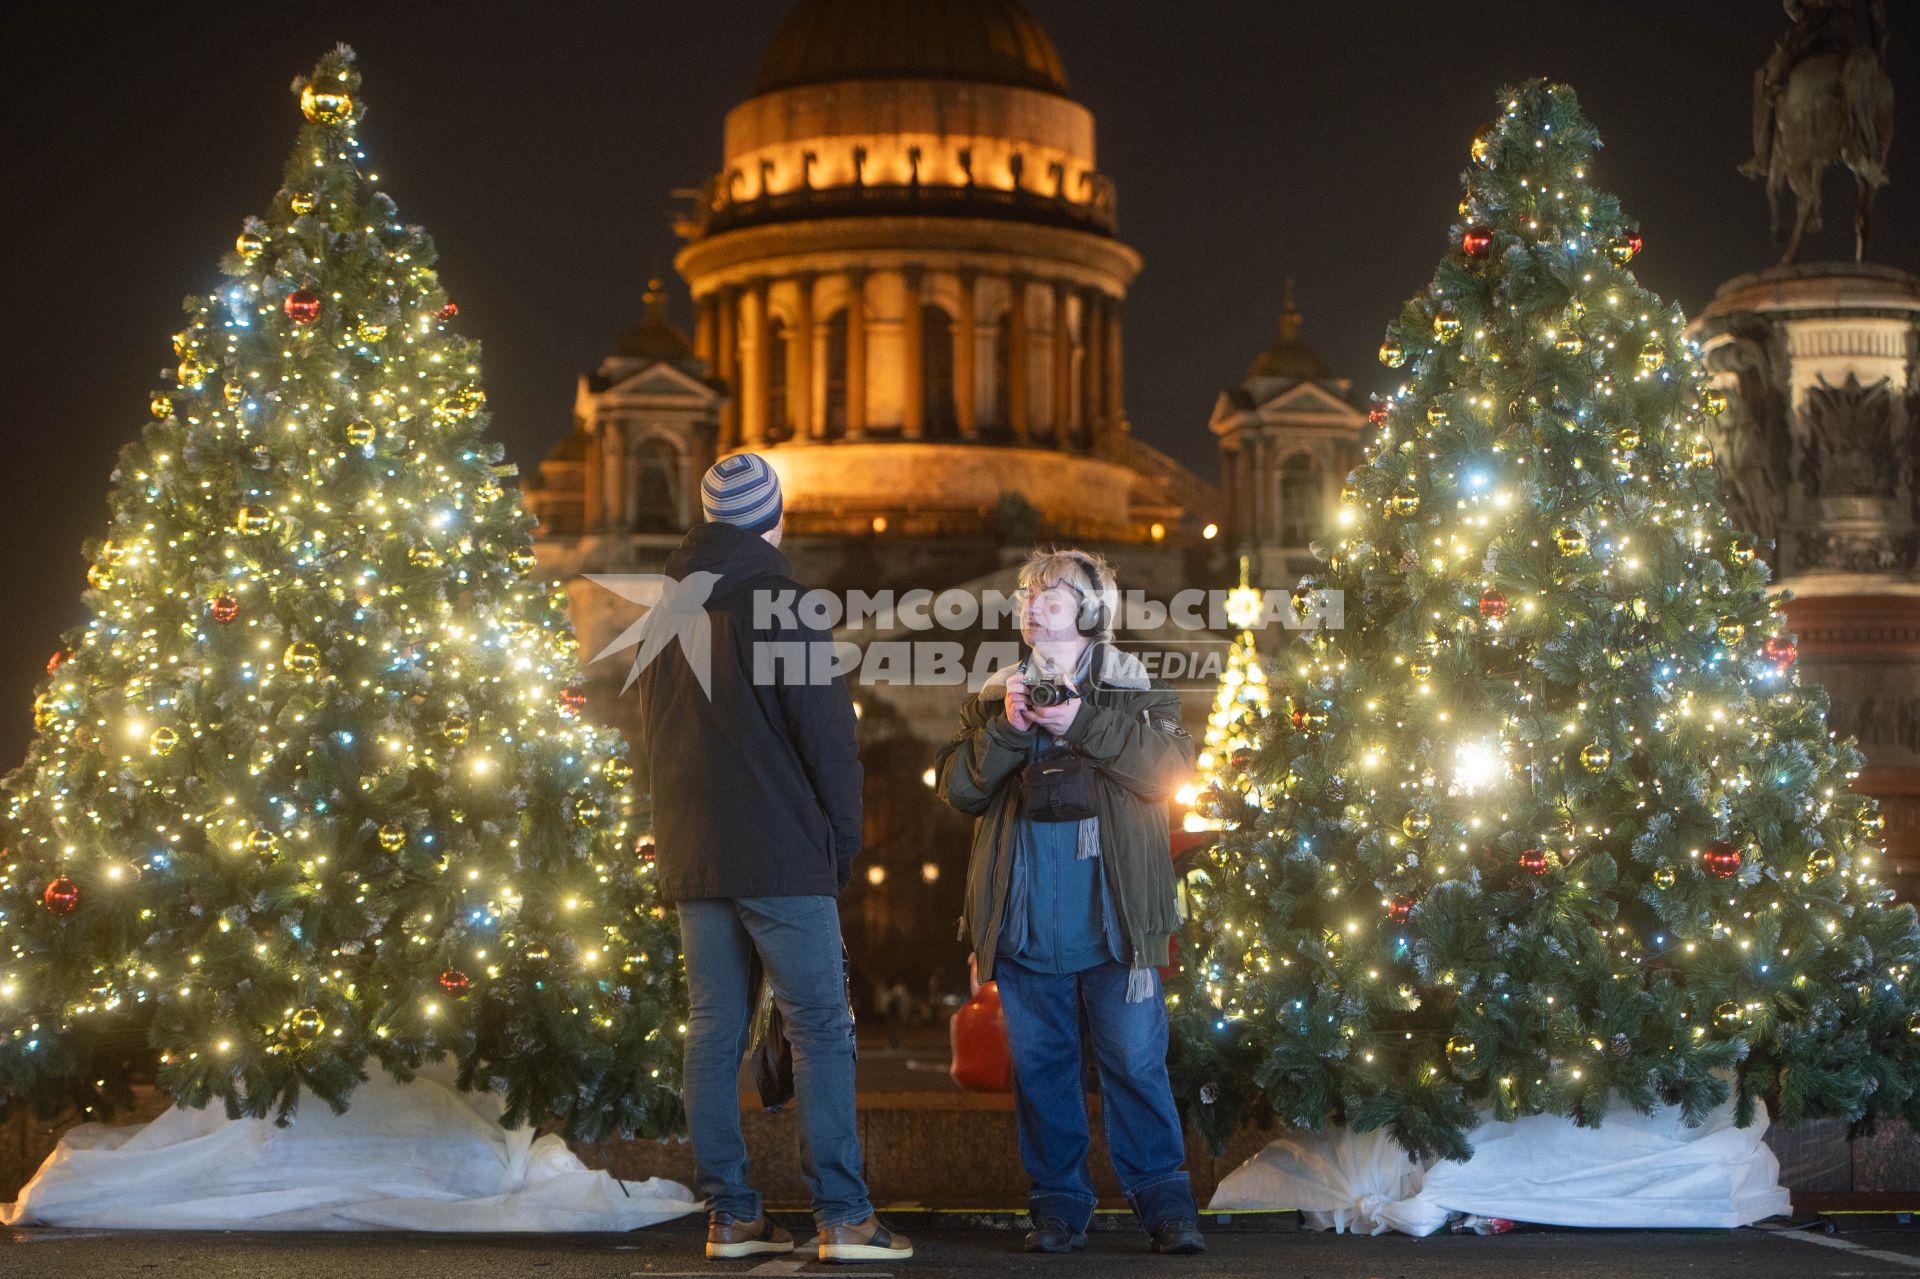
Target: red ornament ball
[(224, 609), (643, 848), (573, 700), (1493, 604), (1377, 415), (303, 306), (449, 310), (454, 982), (1722, 858), (54, 662), (1477, 242), (1780, 650), (62, 896), (1534, 862), (1399, 908)]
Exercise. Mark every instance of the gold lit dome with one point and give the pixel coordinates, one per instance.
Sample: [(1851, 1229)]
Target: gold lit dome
[(991, 41), (1290, 357)]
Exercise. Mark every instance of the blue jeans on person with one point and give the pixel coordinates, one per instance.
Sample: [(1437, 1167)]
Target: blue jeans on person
[(799, 943), (1137, 1113)]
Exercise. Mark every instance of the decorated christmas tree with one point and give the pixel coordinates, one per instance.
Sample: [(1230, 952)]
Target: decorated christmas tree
[(1224, 788), (312, 789), (1551, 820)]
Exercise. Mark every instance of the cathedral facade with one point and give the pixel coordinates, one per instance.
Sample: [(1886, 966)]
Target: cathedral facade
[(909, 290)]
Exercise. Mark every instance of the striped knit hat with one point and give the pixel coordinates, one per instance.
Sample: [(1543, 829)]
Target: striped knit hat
[(742, 490)]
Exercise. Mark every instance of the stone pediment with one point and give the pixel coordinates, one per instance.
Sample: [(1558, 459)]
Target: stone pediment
[(658, 381), (1304, 399)]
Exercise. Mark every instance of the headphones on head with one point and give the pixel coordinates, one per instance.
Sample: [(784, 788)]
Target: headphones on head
[(1095, 616)]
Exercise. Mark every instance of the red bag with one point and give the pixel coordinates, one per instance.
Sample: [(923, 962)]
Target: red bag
[(982, 1062)]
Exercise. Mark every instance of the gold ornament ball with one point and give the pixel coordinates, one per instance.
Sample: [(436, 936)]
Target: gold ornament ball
[(1594, 757), (1727, 1014), (232, 391), (253, 520), (1404, 502), (1482, 148), (160, 405), (1714, 401), (423, 556), (1461, 1049), (163, 740), (308, 1023), (1663, 878), (1570, 540), (1628, 438), (1446, 323), (360, 433), (1421, 670), (537, 953), (368, 331), (1702, 454), (1392, 354), (301, 203), (1730, 632), (1416, 823), (99, 576), (1873, 822), (586, 810), (326, 103), (1743, 550), (393, 836), (1436, 415), (261, 842), (302, 656), (521, 559), (1652, 357), (455, 730), (1820, 861), (618, 771), (191, 372), (1568, 343), (248, 245)]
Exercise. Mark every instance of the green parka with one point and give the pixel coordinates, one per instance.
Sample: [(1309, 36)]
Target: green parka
[(1130, 726)]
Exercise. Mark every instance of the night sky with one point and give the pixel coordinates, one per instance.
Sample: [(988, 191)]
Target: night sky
[(539, 145)]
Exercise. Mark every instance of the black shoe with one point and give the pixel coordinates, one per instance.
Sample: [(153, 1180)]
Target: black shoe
[(1181, 1237), (1050, 1234)]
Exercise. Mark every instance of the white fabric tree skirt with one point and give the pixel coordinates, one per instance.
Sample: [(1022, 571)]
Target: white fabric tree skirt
[(419, 1156), (1633, 1171)]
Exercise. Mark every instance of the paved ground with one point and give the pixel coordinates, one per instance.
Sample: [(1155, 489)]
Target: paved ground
[(1880, 1248)]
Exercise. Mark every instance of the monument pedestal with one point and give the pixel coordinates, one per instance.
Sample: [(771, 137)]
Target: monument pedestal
[(1817, 457)]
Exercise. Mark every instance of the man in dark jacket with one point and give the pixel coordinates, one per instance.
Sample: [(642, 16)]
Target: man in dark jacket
[(1069, 905), (755, 776)]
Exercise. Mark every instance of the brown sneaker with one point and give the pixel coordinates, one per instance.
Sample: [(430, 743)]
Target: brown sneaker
[(867, 1240), (729, 1238)]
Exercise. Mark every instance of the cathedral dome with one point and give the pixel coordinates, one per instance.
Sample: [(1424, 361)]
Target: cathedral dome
[(989, 41), (654, 338), (1289, 357)]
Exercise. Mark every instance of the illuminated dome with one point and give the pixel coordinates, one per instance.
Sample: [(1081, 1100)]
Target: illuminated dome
[(986, 41)]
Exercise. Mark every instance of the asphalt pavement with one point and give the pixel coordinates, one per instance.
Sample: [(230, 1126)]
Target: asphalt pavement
[(1880, 1247)]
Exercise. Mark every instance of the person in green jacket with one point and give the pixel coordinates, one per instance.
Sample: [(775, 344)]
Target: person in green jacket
[(1070, 897)]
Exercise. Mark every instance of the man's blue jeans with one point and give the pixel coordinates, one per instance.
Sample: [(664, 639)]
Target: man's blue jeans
[(799, 943), (1136, 1101)]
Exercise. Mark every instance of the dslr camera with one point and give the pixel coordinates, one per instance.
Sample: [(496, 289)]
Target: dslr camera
[(1046, 693)]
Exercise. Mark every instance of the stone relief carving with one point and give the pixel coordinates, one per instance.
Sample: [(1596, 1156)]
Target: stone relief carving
[(1751, 437), (1879, 721), (1849, 439), (1820, 550)]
